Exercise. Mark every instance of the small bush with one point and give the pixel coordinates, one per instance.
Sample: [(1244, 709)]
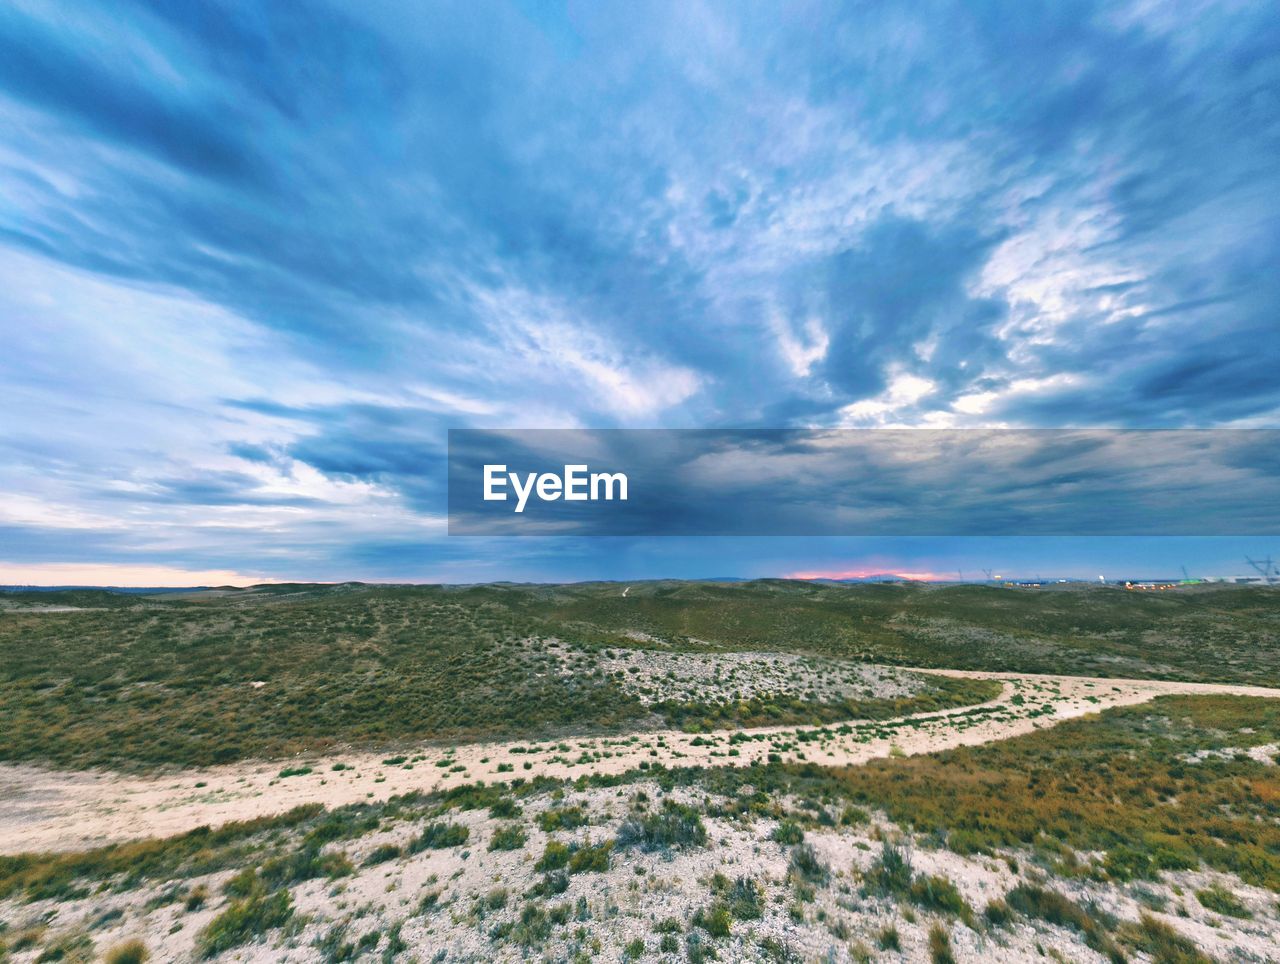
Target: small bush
[(891, 873), (438, 836), (306, 863), (555, 856), (591, 858), (939, 894), (853, 816), (551, 884), (531, 929), (998, 913), (1162, 942), (940, 945), (888, 939), (564, 818), (788, 832), (243, 883), (674, 826), (504, 808), (806, 866), (715, 920), (74, 946), (243, 921), (1221, 901), (743, 899), (510, 837), (429, 901), (128, 952), (381, 854), (1054, 908)]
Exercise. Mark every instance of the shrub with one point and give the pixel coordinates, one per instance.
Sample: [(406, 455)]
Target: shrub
[(242, 884), (715, 920), (788, 832), (743, 899), (74, 946), (940, 945), (128, 952), (504, 808), (1054, 908), (634, 950), (564, 818), (891, 873), (510, 837), (888, 939), (1221, 901), (532, 928), (674, 826), (305, 863), (852, 816), (381, 854), (438, 836), (591, 858), (939, 894), (243, 921), (998, 913), (1162, 942), (806, 866), (696, 949), (555, 856), (555, 882), (429, 901)]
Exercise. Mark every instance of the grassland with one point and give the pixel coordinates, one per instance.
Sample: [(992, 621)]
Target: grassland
[(1147, 832), (218, 678)]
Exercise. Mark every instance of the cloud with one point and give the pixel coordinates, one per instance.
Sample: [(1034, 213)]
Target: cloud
[(256, 263), (112, 574)]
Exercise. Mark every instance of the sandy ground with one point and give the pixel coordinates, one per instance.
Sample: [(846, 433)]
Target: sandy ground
[(42, 809), (476, 888)]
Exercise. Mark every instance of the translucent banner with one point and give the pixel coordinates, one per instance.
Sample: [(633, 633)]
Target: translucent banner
[(883, 482)]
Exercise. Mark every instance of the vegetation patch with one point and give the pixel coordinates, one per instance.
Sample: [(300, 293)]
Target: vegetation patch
[(439, 836), (143, 683), (675, 825), (243, 921)]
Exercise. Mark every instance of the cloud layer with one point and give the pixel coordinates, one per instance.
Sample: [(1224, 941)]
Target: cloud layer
[(257, 261)]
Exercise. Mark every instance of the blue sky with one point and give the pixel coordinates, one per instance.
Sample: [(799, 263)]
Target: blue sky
[(256, 259)]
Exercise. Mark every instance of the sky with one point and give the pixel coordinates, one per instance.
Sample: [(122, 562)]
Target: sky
[(256, 260)]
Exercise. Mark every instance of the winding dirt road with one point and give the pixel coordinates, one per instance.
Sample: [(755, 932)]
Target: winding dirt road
[(42, 809)]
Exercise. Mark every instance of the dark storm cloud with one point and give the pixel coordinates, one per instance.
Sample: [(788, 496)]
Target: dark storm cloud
[(886, 482)]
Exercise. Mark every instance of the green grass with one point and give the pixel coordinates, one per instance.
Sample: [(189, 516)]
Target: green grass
[(244, 921), (1222, 901), (1053, 908), (144, 682)]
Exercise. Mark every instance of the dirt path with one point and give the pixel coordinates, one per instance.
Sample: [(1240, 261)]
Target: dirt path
[(43, 809)]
